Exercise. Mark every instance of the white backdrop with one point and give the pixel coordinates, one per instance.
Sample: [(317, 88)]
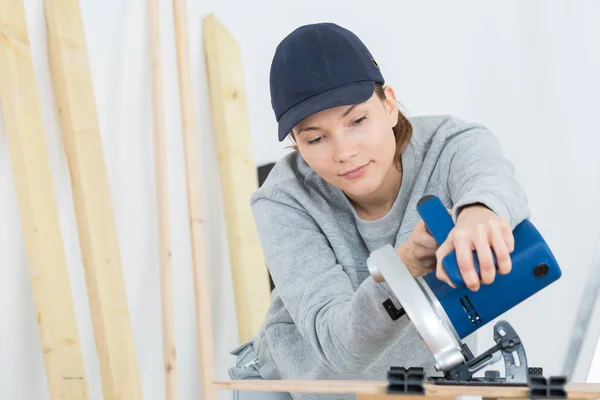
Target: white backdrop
[(528, 70)]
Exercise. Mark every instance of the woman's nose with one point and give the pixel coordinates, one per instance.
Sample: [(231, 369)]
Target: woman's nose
[(345, 148)]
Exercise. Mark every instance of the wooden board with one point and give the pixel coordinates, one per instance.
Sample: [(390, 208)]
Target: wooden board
[(368, 389), (91, 194), (162, 203), (194, 196), (404, 397), (46, 257), (238, 175)]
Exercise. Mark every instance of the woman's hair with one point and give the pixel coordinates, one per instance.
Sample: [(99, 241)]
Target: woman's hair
[(402, 131)]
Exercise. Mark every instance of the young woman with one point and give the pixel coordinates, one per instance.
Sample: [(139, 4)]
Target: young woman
[(352, 186)]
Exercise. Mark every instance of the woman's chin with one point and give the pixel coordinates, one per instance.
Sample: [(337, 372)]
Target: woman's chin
[(360, 189)]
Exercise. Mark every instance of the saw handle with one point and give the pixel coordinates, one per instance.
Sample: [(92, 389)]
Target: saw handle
[(438, 222)]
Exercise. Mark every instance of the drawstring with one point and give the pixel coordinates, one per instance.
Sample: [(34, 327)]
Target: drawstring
[(250, 363)]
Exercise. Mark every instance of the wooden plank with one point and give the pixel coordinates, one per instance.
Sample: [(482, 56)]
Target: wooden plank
[(46, 257), (91, 194), (194, 197), (398, 396), (162, 204), (238, 175), (365, 388)]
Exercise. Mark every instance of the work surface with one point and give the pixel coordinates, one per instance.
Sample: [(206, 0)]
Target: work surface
[(377, 389)]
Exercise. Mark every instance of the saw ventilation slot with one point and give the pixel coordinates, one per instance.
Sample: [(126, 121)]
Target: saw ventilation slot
[(470, 310)]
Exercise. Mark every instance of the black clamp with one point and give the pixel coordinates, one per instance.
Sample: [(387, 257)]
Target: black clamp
[(406, 381), (547, 388), (392, 311), (535, 371)]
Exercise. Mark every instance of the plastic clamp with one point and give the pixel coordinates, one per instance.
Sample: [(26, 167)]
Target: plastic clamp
[(547, 388), (392, 311), (406, 381), (535, 371)]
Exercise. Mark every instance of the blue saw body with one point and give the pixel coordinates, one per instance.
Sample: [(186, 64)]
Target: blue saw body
[(533, 268)]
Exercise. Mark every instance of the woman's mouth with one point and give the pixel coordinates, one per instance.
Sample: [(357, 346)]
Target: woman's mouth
[(356, 172)]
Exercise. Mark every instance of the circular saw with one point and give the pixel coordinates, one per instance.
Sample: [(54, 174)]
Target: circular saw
[(443, 316)]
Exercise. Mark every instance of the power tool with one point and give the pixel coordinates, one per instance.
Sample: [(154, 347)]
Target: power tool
[(443, 316)]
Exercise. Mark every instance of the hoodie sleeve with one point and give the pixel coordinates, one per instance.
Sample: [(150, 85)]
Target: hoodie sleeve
[(478, 172), (348, 328)]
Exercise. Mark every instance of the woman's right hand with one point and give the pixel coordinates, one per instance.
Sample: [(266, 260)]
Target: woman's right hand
[(418, 252)]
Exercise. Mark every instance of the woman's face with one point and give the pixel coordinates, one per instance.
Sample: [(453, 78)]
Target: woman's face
[(351, 147)]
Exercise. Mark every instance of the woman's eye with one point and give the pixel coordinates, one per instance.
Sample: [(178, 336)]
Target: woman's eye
[(315, 140), (359, 121)]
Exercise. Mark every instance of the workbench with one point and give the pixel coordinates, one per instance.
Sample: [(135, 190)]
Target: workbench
[(377, 390)]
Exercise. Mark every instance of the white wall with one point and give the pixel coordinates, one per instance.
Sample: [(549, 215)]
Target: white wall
[(528, 70)]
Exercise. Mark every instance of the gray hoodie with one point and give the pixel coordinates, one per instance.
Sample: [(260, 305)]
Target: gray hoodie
[(326, 319)]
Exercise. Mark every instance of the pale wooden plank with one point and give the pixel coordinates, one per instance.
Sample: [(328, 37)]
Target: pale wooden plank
[(398, 396), (162, 203), (238, 174), (91, 194), (364, 387), (195, 206), (46, 257), (575, 390)]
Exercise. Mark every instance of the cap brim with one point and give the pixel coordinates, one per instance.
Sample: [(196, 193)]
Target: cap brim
[(350, 94)]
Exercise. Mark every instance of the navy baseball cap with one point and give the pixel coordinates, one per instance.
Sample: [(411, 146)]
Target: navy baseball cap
[(316, 67)]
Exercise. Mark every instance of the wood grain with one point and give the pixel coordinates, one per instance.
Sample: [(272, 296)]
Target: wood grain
[(45, 254), (238, 175), (195, 206), (162, 203), (378, 388), (72, 81)]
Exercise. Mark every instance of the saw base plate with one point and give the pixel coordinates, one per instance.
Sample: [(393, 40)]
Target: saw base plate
[(474, 382), (412, 381), (402, 380)]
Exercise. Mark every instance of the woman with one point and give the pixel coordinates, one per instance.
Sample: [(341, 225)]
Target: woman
[(351, 187)]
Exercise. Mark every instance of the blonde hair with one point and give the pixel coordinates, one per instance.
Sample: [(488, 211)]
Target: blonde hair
[(402, 131)]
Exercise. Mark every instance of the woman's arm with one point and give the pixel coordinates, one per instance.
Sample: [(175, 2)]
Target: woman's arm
[(349, 329), (488, 204), (478, 172)]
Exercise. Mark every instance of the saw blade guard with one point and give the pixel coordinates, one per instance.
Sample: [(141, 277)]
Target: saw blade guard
[(437, 332)]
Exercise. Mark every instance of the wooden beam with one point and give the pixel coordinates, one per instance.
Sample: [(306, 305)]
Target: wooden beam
[(162, 203), (194, 197), (42, 235), (91, 194), (238, 175), (376, 389)]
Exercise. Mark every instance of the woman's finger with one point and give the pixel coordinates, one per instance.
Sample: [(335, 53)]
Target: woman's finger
[(441, 274), (501, 251), (422, 237), (487, 269), (464, 257), (440, 253), (507, 235)]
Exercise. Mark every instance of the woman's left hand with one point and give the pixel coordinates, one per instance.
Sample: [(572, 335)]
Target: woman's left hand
[(480, 229)]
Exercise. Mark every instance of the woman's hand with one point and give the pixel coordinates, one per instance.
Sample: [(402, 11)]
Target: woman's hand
[(418, 252), (480, 229)]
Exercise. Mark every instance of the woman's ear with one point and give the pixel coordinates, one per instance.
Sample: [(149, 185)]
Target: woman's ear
[(391, 105)]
